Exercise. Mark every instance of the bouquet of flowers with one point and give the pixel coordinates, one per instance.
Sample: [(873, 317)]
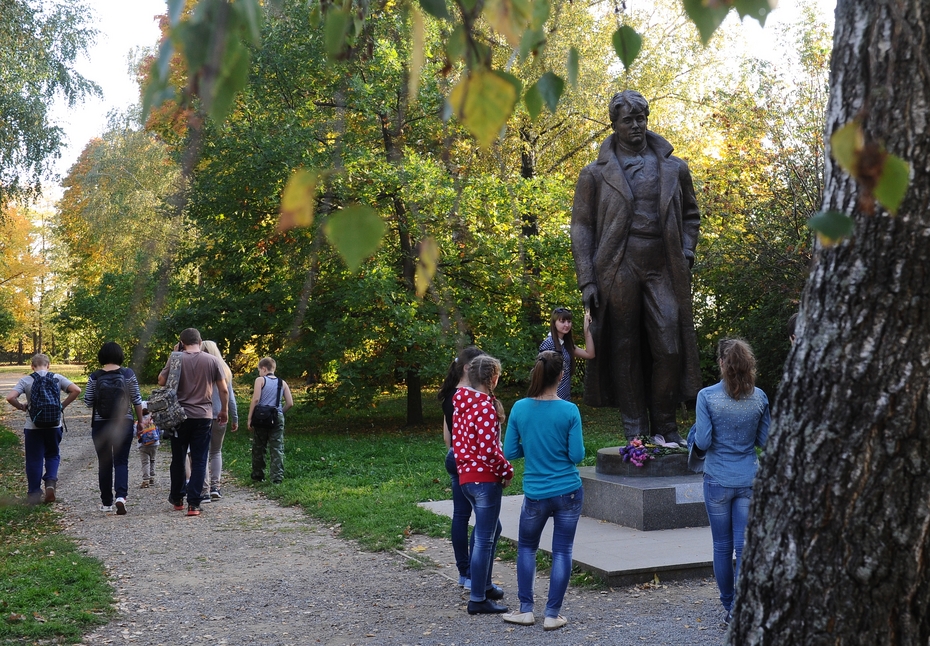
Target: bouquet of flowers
[(638, 451)]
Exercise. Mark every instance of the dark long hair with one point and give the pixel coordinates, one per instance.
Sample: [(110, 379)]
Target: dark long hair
[(456, 368), (545, 373), (737, 367), (563, 314)]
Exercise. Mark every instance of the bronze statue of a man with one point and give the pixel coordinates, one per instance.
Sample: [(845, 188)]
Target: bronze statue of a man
[(634, 229)]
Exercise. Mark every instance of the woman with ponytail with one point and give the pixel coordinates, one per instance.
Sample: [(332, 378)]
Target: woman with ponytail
[(545, 431), (461, 508), (732, 419), (483, 474)]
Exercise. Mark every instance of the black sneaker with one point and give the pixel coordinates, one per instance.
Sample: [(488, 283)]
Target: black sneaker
[(215, 493), (486, 607), (495, 592)]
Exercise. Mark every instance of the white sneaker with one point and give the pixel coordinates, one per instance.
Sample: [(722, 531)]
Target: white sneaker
[(120, 506), (554, 623), (106, 508), (522, 618)]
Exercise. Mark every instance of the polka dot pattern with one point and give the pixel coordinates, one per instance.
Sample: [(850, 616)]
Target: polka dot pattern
[(476, 438)]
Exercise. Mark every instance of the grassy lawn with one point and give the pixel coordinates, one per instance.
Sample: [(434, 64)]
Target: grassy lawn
[(365, 470), (48, 589)]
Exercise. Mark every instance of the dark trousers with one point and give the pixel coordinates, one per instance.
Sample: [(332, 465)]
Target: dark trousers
[(643, 314), (193, 434), (112, 442)]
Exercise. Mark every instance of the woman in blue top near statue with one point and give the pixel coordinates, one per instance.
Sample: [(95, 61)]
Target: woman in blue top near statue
[(545, 431), (560, 341), (732, 418)]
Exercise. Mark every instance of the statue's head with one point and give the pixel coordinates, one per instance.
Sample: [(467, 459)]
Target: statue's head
[(629, 113), (632, 100)]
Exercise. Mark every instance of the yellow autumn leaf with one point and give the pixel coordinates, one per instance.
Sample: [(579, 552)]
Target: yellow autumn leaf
[(483, 101), (417, 53), (426, 265), (298, 200)]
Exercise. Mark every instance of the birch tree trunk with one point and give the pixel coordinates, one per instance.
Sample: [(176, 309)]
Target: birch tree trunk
[(838, 548)]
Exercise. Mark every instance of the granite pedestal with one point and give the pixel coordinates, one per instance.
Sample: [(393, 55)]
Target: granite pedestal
[(662, 494)]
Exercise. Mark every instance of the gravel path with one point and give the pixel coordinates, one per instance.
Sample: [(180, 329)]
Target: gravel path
[(248, 571)]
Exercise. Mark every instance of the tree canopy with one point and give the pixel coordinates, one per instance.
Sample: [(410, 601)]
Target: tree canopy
[(39, 43)]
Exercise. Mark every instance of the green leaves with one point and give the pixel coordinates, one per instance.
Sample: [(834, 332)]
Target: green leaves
[(881, 174), (335, 28), (756, 9), (572, 67), (548, 89), (217, 57), (483, 101), (627, 44), (436, 8), (514, 19), (356, 233), (708, 15), (892, 183), (831, 226)]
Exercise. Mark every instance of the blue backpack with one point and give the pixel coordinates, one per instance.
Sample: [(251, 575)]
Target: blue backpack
[(45, 401)]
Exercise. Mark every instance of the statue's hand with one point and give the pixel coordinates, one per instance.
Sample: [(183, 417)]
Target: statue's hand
[(590, 297), (689, 256)]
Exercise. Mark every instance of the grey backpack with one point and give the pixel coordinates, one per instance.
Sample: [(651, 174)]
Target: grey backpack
[(163, 405)]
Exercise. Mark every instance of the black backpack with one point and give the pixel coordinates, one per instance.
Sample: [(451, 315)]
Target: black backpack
[(111, 396), (45, 401)]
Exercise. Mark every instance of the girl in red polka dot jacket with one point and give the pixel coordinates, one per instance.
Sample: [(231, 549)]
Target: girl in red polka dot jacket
[(483, 473)]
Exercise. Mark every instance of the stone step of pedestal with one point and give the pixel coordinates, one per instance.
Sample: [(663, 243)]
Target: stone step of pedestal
[(644, 503), (619, 555)]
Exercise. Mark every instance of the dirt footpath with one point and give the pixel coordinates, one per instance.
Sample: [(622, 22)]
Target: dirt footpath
[(248, 571)]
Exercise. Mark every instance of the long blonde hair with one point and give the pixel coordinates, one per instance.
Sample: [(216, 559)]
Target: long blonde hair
[(480, 373), (737, 367), (210, 347)]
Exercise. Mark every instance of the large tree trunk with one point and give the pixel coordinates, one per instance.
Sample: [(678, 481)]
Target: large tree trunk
[(838, 548), (392, 133)]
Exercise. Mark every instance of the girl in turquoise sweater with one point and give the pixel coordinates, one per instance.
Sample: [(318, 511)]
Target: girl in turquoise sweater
[(545, 431)]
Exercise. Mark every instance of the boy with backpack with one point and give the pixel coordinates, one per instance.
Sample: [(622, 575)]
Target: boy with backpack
[(43, 430), (266, 421)]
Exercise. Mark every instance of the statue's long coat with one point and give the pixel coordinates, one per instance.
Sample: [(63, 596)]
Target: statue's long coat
[(601, 217)]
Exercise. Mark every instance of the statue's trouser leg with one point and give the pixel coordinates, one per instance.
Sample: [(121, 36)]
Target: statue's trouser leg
[(660, 313), (643, 299), (623, 308)]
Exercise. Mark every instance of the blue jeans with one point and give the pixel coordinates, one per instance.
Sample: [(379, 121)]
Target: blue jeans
[(728, 513), (112, 442), (461, 514), (485, 499), (193, 434), (41, 448), (564, 511)]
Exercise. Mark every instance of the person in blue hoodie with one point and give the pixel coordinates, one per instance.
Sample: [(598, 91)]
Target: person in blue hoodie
[(731, 419), (545, 431)]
